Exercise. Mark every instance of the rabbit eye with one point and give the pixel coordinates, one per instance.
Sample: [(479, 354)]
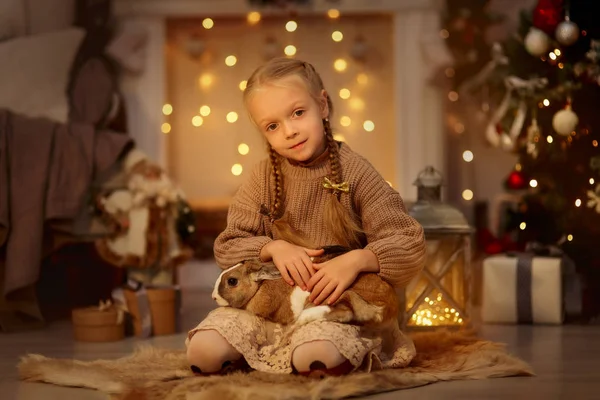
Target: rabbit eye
[(232, 282)]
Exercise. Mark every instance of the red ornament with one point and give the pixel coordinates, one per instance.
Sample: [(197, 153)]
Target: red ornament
[(547, 15), (516, 180)]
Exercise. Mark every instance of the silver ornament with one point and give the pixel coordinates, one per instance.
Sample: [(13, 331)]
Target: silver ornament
[(565, 121), (537, 42), (567, 32)]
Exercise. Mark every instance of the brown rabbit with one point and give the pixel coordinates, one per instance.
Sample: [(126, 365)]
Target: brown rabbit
[(258, 288)]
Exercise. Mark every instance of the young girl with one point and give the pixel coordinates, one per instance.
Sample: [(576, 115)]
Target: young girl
[(321, 192)]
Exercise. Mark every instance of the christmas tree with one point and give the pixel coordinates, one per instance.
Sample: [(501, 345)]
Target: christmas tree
[(544, 90)]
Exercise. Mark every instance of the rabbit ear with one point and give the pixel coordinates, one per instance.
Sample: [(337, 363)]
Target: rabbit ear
[(267, 272)]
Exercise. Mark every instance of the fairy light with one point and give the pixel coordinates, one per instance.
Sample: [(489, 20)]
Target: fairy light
[(253, 17), (206, 80), (333, 13), (549, 139), (570, 238), (237, 169), (339, 137), (546, 102), (362, 78), (243, 149), (197, 121), (205, 111), (432, 312), (467, 194), (165, 128), (468, 155), (533, 183), (167, 109), (208, 23), (345, 121), (561, 65), (230, 61), (340, 65), (232, 117), (337, 36), (291, 26), (290, 50), (592, 181), (552, 55), (557, 52), (369, 126), (578, 203), (595, 143), (242, 85), (453, 96), (345, 93), (518, 167)]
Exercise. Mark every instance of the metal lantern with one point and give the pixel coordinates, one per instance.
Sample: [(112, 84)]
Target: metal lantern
[(441, 294)]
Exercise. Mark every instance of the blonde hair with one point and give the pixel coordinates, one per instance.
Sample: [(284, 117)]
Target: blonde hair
[(342, 223)]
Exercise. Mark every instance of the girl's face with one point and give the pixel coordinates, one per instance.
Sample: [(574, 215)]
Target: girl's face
[(290, 118)]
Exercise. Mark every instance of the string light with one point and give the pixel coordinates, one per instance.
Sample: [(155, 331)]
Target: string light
[(595, 143), (337, 36), (522, 226), (468, 155), (339, 137), (467, 194), (237, 169), (197, 121), (518, 167), (570, 238), (205, 111), (453, 96), (345, 93), (291, 26), (578, 203), (592, 181), (549, 139), (165, 128), (242, 85), (432, 313), (253, 17), (357, 104), (340, 65), (230, 61), (206, 80), (208, 23), (167, 109), (243, 149), (552, 56), (333, 13), (369, 126), (533, 183), (546, 102), (345, 121), (557, 52), (290, 50), (232, 117), (362, 78)]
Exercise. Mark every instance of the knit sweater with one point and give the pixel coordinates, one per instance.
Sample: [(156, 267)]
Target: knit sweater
[(395, 237)]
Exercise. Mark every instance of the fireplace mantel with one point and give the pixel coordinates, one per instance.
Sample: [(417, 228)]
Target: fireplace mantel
[(417, 47)]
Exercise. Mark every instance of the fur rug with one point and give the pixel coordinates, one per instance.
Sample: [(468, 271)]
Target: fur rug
[(152, 374)]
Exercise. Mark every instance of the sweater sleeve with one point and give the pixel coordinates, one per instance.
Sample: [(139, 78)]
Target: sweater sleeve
[(395, 237), (244, 236)]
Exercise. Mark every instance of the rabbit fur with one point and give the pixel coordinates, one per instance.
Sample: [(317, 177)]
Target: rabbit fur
[(258, 288)]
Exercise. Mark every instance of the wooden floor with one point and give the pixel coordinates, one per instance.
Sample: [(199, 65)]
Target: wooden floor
[(566, 360)]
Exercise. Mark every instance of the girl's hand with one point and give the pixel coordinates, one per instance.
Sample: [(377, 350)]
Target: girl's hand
[(293, 262), (333, 277)]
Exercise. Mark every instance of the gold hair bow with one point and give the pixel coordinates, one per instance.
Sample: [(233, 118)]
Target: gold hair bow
[(342, 187)]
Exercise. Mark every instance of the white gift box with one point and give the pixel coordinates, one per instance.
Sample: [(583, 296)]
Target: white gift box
[(523, 289)]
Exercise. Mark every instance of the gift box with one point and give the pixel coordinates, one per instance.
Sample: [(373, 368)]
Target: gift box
[(526, 288), (103, 323)]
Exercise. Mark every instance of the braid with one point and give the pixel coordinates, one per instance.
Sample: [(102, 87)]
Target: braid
[(342, 222), (278, 192)]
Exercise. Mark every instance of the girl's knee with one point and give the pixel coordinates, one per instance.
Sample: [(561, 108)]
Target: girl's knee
[(317, 355), (208, 351)]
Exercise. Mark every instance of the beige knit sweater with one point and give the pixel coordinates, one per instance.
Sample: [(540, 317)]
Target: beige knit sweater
[(396, 238)]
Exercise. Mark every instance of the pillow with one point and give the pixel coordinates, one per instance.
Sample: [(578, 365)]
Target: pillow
[(34, 73), (12, 19)]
